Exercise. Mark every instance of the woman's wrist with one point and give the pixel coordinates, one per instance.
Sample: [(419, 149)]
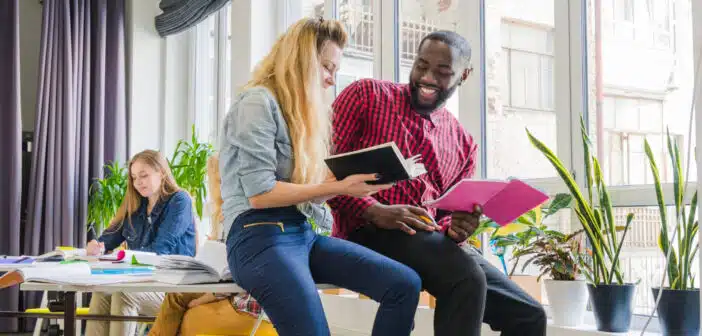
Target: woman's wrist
[(330, 189)]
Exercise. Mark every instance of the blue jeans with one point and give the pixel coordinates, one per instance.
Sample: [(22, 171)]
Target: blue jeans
[(275, 256)]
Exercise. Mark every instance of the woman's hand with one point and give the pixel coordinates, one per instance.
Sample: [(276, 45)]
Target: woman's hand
[(356, 186), (95, 248), (205, 298)]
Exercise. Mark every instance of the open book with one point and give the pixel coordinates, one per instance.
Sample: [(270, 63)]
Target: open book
[(78, 274), (502, 201), (208, 266), (385, 159), (64, 253)]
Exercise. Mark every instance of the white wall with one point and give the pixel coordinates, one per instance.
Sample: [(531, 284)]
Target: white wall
[(157, 81), (30, 37)]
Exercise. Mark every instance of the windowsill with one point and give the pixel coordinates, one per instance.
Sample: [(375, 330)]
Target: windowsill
[(589, 325), (349, 316)]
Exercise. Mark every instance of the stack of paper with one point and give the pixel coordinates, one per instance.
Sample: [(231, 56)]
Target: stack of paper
[(79, 274)]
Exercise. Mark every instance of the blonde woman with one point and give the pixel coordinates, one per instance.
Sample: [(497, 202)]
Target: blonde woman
[(191, 314), (274, 179), (155, 216)]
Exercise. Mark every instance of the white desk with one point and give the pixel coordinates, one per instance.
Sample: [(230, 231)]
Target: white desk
[(131, 287)]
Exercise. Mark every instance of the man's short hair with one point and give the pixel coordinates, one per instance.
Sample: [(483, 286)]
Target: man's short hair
[(454, 40)]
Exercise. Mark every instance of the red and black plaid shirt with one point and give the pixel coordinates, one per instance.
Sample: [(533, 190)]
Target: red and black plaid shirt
[(371, 112)]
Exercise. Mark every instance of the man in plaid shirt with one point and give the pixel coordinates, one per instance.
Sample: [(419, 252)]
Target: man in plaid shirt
[(393, 222)]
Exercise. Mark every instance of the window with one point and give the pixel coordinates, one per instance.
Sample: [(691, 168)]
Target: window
[(527, 67), (642, 104), (212, 72), (645, 22), (520, 94), (416, 20), (359, 53)]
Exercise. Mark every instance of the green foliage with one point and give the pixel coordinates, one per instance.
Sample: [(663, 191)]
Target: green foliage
[(106, 195), (594, 211), (521, 234), (189, 167), (680, 275), (556, 254)]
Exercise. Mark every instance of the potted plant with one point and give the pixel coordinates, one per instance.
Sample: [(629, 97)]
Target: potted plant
[(558, 256), (610, 295), (105, 197), (189, 167), (519, 236), (679, 305)]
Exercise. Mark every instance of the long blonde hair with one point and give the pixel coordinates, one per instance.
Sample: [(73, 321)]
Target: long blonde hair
[(291, 72), (214, 181), (132, 198)]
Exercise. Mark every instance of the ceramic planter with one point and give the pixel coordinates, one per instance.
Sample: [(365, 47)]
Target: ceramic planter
[(678, 311), (568, 301), (612, 306)]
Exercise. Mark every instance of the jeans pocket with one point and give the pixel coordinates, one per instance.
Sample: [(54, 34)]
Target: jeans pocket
[(279, 224)]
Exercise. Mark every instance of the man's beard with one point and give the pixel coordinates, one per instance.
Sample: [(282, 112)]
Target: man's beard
[(441, 97)]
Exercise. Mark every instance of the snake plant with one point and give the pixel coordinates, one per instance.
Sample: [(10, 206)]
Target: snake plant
[(594, 211), (680, 276)]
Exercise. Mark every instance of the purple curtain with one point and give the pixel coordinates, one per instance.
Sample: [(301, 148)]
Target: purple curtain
[(10, 147), (81, 119)]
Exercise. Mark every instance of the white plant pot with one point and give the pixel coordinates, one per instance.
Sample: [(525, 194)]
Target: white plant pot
[(568, 301)]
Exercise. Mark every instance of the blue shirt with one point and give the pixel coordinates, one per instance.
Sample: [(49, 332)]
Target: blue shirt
[(169, 229), (255, 152)]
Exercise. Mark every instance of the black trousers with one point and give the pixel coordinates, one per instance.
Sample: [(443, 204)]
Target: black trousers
[(468, 289)]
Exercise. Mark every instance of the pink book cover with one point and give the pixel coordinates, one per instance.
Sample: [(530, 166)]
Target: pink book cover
[(502, 201)]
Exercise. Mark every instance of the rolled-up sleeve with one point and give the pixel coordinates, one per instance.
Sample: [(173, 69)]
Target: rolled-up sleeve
[(251, 130)]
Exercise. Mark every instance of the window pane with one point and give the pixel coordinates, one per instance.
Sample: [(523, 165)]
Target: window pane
[(417, 19), (358, 60), (520, 87), (641, 102)]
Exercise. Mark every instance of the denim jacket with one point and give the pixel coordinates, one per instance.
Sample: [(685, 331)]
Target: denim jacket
[(169, 229), (255, 152)]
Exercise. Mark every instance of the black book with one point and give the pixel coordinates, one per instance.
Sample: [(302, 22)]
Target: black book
[(385, 159)]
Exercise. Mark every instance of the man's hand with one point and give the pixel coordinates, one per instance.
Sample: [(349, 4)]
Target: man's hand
[(463, 224), (400, 217)]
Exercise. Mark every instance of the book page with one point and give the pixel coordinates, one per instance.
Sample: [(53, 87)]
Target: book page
[(367, 149), (214, 254)]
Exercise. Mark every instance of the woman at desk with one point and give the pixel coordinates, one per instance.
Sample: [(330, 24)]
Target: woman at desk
[(155, 216)]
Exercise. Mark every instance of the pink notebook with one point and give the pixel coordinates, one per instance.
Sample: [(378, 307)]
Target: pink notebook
[(502, 201)]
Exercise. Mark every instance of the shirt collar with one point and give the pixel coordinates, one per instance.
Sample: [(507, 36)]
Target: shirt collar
[(158, 208)]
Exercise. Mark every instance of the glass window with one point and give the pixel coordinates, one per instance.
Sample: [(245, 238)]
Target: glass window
[(520, 88), (417, 19), (642, 102), (357, 16)]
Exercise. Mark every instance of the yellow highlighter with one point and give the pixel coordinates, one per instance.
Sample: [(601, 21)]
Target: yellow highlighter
[(428, 220)]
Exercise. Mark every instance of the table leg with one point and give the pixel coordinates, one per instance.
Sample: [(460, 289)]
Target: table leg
[(69, 314)]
